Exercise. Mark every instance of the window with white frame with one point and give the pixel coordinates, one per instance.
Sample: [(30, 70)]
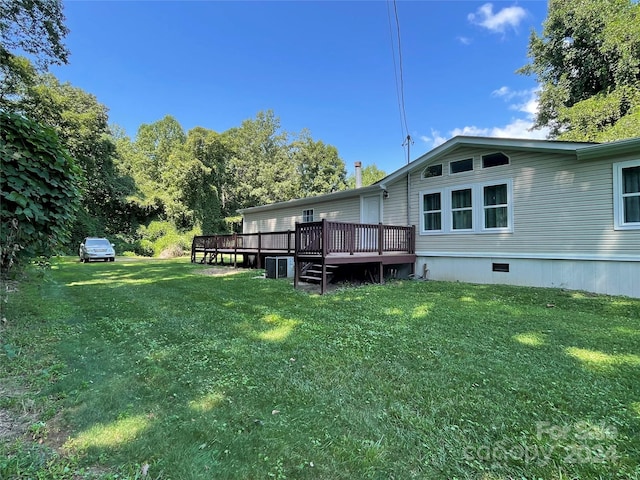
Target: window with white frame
[(460, 166), (626, 193), (307, 215), (476, 208), (496, 206), (461, 209), (494, 160), (432, 211), (432, 171)]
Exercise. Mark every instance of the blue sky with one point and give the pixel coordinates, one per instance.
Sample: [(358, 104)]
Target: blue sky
[(327, 66)]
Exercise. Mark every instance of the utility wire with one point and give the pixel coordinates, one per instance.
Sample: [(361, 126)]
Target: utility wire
[(399, 71), (395, 68)]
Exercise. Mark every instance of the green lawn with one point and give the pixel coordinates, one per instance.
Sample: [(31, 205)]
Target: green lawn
[(149, 369)]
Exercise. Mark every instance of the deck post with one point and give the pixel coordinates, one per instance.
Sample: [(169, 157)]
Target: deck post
[(235, 250), (352, 238), (296, 262), (380, 238), (323, 284), (325, 237), (381, 273), (258, 261)]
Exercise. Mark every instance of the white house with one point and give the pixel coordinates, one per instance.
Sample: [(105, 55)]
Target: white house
[(504, 211)]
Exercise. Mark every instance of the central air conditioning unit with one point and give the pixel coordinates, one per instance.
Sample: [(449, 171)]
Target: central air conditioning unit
[(279, 267)]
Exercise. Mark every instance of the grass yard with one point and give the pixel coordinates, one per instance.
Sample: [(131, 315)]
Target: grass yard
[(151, 369)]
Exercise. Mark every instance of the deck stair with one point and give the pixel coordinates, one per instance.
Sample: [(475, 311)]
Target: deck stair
[(313, 273)]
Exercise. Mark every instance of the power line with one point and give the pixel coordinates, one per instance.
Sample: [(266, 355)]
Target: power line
[(395, 69), (399, 72), (404, 113)]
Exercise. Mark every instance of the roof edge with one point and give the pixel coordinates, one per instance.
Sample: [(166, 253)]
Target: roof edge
[(296, 202), (617, 147)]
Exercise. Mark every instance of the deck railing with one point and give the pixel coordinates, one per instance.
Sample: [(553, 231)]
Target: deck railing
[(326, 237), (258, 243), (314, 239)]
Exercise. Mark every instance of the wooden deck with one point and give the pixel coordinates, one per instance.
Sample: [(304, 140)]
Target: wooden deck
[(317, 247), (252, 247)]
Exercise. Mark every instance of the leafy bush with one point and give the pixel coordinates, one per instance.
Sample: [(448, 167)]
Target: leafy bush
[(39, 191), (163, 238)]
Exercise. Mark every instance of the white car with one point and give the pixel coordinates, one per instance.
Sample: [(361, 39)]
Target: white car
[(94, 248)]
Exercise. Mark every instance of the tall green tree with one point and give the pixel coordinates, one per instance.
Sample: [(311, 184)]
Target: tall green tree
[(587, 62), (318, 166), (202, 178), (156, 142), (29, 27), (34, 27), (81, 123), (259, 170)]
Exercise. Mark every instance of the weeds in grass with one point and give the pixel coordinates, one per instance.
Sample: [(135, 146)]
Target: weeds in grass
[(151, 370)]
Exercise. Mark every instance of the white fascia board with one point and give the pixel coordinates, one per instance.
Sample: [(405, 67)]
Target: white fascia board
[(620, 147)]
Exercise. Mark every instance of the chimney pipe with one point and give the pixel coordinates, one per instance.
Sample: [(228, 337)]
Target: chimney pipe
[(358, 174)]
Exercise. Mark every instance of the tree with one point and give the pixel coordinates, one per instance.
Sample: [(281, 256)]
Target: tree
[(202, 178), (370, 175), (34, 27), (81, 123), (587, 61), (319, 167), (156, 142), (260, 170), (39, 188)]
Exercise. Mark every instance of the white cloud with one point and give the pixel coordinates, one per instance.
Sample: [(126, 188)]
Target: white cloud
[(435, 139), (526, 103), (502, 92), (509, 17), (464, 40)]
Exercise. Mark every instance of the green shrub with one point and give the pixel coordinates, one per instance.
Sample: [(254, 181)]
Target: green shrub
[(144, 247), (39, 191), (162, 238)]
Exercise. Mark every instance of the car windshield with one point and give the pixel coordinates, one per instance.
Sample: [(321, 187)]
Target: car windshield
[(97, 242)]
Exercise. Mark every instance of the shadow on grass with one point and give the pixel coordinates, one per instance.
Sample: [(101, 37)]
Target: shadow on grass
[(238, 377)]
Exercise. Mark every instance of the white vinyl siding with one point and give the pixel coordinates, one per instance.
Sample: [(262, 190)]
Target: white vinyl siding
[(561, 206), (285, 218), (394, 207)]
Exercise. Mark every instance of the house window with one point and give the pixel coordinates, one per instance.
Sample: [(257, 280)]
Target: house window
[(460, 166), (432, 211), (494, 160), (473, 208), (432, 171), (496, 206), (307, 215), (461, 209), (626, 192)]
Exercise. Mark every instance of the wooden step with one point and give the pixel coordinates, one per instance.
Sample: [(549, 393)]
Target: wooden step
[(308, 278)]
